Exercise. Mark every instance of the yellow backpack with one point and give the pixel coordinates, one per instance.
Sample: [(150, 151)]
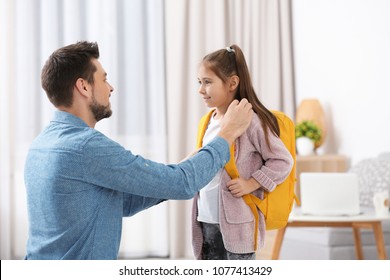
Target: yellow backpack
[(276, 205)]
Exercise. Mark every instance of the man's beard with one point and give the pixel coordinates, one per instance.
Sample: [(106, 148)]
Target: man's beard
[(99, 111)]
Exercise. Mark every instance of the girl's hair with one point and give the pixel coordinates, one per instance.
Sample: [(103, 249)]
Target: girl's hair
[(231, 61)]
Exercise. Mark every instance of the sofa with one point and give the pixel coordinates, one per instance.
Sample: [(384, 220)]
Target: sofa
[(326, 243)]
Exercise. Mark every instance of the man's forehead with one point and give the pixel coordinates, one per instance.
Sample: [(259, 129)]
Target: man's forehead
[(99, 67)]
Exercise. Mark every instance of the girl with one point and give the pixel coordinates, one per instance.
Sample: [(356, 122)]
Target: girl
[(222, 223)]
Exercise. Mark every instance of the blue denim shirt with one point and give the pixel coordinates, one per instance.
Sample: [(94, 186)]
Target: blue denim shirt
[(80, 184)]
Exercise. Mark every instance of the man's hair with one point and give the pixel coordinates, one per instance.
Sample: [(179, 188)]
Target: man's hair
[(64, 67)]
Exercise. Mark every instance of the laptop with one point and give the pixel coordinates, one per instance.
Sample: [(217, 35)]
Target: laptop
[(329, 194)]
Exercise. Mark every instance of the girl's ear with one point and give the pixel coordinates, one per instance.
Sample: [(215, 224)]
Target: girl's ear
[(234, 82)]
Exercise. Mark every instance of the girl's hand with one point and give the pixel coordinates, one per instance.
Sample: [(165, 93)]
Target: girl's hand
[(239, 186)]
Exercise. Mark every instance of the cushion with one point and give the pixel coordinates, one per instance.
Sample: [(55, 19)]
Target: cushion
[(373, 176)]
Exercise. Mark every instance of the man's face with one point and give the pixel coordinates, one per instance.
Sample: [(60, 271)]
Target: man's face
[(100, 105)]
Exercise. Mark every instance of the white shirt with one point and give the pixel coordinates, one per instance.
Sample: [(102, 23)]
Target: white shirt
[(208, 196)]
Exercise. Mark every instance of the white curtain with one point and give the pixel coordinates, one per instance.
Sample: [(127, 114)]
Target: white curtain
[(131, 40), (196, 27)]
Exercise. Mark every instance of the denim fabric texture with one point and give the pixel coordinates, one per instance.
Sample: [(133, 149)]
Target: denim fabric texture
[(80, 184)]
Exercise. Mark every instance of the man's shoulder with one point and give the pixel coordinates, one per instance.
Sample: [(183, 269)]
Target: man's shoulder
[(90, 139), (67, 137)]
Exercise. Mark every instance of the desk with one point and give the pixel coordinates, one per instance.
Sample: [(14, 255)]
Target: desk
[(366, 220)]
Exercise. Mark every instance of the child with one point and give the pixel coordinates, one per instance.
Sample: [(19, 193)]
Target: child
[(222, 223)]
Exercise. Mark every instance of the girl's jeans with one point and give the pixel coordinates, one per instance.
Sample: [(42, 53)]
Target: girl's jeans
[(213, 248)]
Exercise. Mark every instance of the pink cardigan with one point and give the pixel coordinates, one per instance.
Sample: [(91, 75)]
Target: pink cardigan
[(269, 166)]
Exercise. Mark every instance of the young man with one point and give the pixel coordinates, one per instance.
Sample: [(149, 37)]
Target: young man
[(80, 183)]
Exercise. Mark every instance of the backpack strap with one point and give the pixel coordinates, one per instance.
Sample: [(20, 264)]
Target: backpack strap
[(203, 123), (231, 164)]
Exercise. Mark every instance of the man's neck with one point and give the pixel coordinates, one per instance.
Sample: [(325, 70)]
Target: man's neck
[(83, 114)]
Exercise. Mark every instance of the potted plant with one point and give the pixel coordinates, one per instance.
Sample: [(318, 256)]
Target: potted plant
[(308, 136)]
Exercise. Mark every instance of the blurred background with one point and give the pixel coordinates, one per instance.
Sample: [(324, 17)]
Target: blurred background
[(335, 51)]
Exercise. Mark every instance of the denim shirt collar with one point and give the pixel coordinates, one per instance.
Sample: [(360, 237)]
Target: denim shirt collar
[(68, 118)]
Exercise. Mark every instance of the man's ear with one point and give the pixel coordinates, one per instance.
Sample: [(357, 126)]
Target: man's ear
[(82, 87), (234, 82)]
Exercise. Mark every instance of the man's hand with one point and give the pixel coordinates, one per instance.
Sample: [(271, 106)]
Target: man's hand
[(236, 120)]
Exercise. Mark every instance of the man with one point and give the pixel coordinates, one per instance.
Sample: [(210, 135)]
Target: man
[(80, 183)]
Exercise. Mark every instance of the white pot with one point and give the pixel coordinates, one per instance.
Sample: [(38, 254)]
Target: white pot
[(305, 146)]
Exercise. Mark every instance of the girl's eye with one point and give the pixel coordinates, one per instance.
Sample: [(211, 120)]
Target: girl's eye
[(206, 82)]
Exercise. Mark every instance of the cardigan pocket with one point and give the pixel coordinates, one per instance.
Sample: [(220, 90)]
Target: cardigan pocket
[(235, 209)]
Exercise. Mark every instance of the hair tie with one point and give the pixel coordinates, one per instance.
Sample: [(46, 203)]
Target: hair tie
[(229, 49)]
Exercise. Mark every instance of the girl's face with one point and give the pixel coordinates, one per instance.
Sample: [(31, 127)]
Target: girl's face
[(213, 90)]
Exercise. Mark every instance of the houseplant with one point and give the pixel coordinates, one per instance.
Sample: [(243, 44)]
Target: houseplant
[(308, 136)]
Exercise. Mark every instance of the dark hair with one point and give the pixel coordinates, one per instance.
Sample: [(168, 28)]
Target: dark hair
[(64, 67), (231, 61)]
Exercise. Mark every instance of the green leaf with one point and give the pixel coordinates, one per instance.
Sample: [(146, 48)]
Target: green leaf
[(309, 129)]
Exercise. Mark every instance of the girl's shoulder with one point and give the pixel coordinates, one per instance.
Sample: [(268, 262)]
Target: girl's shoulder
[(256, 128), (255, 122)]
